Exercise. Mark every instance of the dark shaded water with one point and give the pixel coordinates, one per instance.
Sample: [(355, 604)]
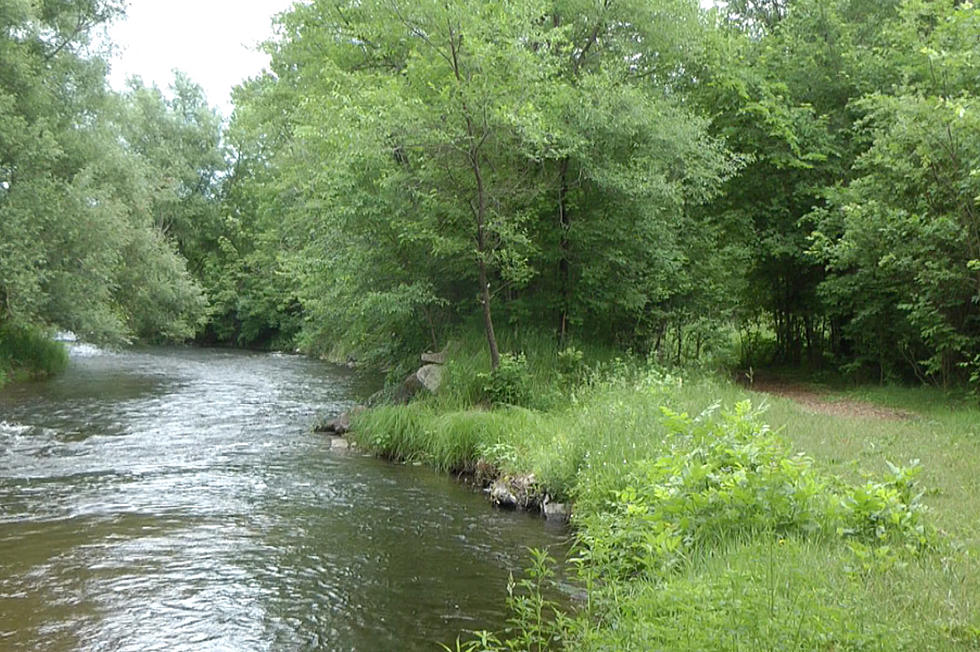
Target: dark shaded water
[(174, 499)]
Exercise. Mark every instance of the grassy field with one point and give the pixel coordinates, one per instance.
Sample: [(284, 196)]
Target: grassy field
[(709, 516)]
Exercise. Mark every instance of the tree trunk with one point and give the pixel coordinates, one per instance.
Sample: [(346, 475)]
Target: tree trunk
[(487, 317), (680, 341), (564, 223), (479, 206)]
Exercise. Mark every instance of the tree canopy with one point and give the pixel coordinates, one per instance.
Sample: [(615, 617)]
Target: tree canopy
[(800, 175)]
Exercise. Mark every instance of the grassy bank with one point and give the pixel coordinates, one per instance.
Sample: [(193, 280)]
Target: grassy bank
[(27, 353), (701, 527)]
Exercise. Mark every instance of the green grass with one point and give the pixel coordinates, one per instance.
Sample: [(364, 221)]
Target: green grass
[(27, 352), (699, 529)]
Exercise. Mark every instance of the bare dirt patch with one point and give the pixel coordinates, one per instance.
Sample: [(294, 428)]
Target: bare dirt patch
[(820, 402)]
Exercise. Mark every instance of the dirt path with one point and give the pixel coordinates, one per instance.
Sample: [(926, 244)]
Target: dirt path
[(814, 400)]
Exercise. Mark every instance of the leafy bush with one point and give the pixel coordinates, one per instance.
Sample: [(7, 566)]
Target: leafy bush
[(717, 478), (723, 477), (889, 511), (509, 383), (571, 364)]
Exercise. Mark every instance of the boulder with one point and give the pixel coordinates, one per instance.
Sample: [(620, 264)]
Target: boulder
[(339, 425), (428, 378), (501, 494), (431, 377), (434, 358), (560, 512), (408, 389)]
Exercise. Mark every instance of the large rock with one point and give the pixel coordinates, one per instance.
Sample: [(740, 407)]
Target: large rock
[(501, 494), (428, 378), (431, 377), (560, 512), (339, 425), (434, 358)]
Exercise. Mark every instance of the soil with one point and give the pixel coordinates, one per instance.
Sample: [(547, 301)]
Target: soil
[(820, 402)]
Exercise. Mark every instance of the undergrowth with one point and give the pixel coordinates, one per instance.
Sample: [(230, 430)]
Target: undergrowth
[(698, 532)]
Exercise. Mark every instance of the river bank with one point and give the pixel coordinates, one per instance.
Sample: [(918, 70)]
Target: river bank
[(705, 522)]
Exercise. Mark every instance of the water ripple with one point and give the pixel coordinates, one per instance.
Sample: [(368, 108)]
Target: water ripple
[(174, 499)]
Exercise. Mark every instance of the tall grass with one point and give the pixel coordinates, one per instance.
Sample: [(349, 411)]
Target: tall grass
[(700, 527), (28, 352)]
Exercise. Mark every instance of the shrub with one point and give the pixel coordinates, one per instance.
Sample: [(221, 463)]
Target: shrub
[(509, 383), (571, 365)]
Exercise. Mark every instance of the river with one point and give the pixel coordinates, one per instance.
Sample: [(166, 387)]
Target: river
[(175, 499)]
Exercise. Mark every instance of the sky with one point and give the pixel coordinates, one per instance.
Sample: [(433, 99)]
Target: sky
[(212, 41)]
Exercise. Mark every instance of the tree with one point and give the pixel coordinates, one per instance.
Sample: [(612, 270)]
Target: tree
[(902, 240), (533, 155), (77, 248)]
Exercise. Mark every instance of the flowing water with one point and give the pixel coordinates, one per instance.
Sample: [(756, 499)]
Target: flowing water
[(174, 499)]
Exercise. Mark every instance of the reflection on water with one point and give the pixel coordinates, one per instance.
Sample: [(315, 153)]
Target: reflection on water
[(174, 499)]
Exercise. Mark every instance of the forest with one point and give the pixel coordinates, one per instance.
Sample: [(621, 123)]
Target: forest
[(765, 182)]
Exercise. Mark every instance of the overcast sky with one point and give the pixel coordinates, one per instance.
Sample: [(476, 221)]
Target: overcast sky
[(213, 41)]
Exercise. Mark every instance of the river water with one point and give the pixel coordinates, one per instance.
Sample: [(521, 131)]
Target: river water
[(174, 499)]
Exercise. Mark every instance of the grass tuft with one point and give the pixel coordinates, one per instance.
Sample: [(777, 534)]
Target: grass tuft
[(27, 352)]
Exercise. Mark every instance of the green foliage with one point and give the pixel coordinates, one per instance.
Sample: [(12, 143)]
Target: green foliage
[(451, 161), (508, 384), (706, 531), (571, 365), (889, 511), (31, 351), (717, 478), (78, 244), (900, 239)]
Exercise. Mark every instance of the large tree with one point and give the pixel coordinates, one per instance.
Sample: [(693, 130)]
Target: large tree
[(533, 156)]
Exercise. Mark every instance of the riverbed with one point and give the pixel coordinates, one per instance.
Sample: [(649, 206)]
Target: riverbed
[(175, 499)]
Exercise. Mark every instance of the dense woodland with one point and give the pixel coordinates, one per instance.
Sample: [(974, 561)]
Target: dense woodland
[(769, 181)]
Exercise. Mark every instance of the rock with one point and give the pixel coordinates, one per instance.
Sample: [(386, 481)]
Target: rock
[(339, 444), (501, 495), (408, 389), (321, 425), (434, 358), (560, 512), (339, 425), (431, 377), (514, 492), (428, 378)]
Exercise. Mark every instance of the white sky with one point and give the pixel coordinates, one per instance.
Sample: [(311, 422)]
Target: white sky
[(212, 41)]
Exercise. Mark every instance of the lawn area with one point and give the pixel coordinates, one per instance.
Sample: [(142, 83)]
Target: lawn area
[(941, 430)]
